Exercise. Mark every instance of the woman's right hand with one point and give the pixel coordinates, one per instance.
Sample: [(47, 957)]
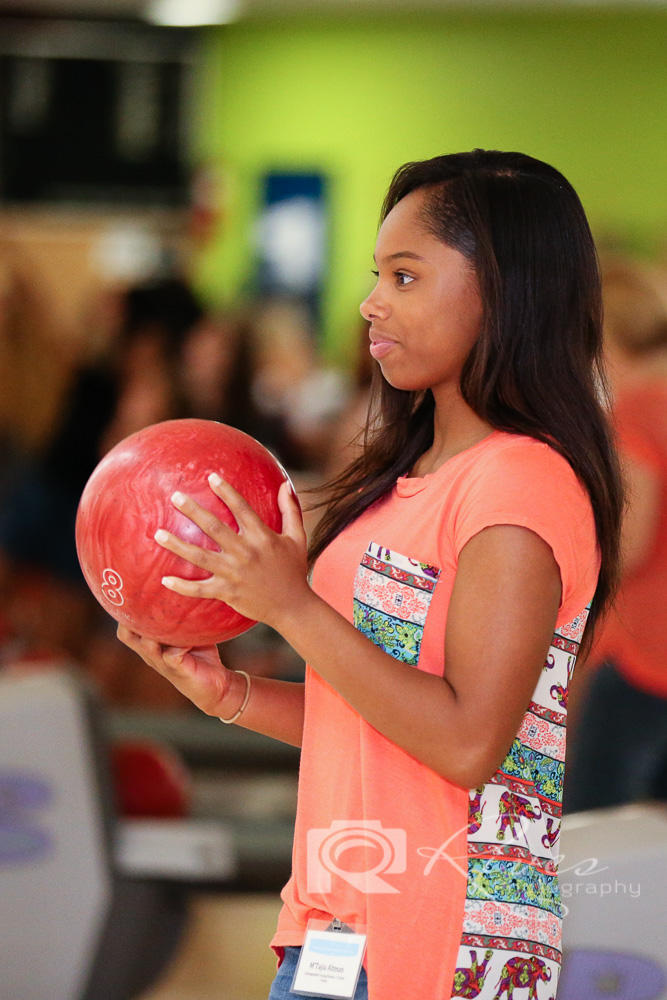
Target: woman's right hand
[(195, 671)]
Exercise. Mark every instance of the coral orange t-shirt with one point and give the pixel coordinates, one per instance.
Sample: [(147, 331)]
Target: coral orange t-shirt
[(457, 888), (634, 630)]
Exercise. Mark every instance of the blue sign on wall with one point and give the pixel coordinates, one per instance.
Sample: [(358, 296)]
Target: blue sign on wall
[(291, 238)]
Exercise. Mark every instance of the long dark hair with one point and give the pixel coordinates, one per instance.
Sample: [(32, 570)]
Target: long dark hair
[(537, 367)]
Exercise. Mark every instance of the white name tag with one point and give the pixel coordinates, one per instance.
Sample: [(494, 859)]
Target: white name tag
[(330, 961)]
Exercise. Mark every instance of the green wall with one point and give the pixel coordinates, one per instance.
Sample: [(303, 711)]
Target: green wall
[(586, 91)]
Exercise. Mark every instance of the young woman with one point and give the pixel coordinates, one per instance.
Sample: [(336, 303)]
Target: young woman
[(454, 571)]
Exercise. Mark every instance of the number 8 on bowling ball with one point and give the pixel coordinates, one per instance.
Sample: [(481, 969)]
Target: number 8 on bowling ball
[(127, 498)]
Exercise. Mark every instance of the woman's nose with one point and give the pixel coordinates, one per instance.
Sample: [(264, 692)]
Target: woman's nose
[(372, 307)]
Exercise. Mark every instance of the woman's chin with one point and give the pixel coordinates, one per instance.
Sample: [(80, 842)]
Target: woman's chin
[(399, 380)]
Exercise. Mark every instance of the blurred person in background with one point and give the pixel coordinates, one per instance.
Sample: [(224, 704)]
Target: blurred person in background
[(132, 382), (143, 367), (295, 391), (216, 370), (34, 367), (128, 381), (259, 370), (217, 367), (618, 749), (34, 359), (217, 375), (346, 443)]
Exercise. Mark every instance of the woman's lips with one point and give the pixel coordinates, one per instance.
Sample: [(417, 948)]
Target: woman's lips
[(381, 346)]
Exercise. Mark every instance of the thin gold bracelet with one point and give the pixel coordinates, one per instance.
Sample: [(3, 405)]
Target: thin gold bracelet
[(245, 700)]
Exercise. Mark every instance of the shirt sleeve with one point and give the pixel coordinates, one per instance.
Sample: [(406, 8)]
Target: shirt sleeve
[(532, 485)]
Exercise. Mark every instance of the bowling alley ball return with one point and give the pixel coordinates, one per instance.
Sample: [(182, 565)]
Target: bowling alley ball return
[(95, 903)]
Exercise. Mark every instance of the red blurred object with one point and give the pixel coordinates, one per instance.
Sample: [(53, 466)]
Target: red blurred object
[(150, 780), (127, 499)]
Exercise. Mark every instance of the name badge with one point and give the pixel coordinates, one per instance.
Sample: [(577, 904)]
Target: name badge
[(331, 958)]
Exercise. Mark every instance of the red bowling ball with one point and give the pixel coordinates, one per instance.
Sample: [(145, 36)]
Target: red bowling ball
[(126, 500)]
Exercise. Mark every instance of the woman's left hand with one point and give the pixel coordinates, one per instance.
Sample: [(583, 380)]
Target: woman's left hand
[(257, 572)]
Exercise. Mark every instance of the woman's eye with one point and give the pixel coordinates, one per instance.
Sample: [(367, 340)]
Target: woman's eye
[(398, 274)]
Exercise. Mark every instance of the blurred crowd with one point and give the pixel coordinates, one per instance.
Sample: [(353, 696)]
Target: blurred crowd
[(152, 352)]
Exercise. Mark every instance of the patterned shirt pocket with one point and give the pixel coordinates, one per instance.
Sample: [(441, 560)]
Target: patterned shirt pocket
[(392, 594)]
